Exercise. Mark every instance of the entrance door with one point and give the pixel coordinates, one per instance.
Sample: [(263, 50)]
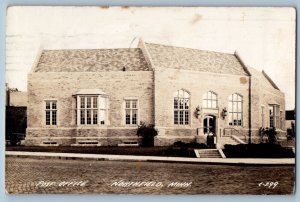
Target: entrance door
[(209, 129), (209, 124)]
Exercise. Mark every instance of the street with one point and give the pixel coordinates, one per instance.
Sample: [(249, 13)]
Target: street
[(31, 175)]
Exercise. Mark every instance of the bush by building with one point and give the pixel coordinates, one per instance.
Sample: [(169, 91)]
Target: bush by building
[(263, 150)]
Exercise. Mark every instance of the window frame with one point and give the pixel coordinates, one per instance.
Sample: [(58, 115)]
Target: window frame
[(234, 111), (281, 117), (51, 111), (131, 109), (262, 116), (209, 99), (274, 119), (99, 108), (181, 116)]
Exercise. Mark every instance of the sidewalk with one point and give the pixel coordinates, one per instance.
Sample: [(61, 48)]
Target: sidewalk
[(225, 161)]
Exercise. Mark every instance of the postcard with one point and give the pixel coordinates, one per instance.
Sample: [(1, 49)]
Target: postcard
[(150, 100)]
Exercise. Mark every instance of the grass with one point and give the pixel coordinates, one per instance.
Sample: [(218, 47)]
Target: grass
[(137, 151), (179, 150)]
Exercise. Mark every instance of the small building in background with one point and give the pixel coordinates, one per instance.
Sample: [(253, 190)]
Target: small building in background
[(15, 115), (290, 118)]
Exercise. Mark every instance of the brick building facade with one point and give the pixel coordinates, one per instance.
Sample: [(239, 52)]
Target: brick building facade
[(100, 96)]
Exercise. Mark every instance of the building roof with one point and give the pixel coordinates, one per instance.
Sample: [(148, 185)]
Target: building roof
[(92, 60), (263, 77), (133, 59), (269, 80), (164, 56)]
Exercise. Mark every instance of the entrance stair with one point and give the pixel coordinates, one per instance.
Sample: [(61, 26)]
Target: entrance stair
[(209, 153)]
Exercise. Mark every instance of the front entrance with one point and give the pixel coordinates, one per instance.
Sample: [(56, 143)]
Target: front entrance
[(209, 130)]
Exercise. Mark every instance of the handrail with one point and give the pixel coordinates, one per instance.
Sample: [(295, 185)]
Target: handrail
[(238, 139), (234, 129)]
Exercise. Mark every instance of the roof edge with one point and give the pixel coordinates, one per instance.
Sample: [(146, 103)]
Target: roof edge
[(148, 58), (36, 60), (196, 49), (270, 80), (236, 54)]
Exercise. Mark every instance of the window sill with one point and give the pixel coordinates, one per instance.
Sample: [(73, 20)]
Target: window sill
[(131, 125), (231, 126), (182, 126), (91, 126), (51, 126)]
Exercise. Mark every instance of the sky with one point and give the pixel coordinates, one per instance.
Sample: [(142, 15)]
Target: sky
[(263, 37)]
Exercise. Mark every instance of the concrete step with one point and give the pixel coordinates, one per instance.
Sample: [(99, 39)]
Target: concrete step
[(209, 153)]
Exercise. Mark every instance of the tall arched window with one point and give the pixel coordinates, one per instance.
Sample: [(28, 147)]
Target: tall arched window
[(181, 107), (209, 100), (235, 110)]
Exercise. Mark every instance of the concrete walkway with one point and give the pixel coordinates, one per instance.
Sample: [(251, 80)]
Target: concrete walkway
[(225, 161)]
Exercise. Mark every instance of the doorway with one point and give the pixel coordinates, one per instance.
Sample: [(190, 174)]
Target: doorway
[(209, 129)]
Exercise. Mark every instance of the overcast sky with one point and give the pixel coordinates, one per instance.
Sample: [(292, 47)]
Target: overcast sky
[(263, 37)]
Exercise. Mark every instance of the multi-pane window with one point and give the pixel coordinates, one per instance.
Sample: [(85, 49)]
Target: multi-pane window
[(181, 107), (262, 116), (281, 120), (274, 115), (209, 100), (235, 110), (131, 112), (51, 112), (92, 110)]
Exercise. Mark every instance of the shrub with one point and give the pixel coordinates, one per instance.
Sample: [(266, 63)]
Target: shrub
[(190, 145), (263, 150), (291, 131), (268, 135), (179, 152), (147, 132)]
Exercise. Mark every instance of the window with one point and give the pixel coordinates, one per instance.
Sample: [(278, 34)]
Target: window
[(131, 112), (91, 110), (235, 110), (281, 120), (274, 115), (51, 112), (181, 107), (262, 116), (209, 100)]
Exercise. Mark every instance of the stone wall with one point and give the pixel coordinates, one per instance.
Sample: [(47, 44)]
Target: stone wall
[(168, 81), (155, 104), (264, 94), (62, 86)]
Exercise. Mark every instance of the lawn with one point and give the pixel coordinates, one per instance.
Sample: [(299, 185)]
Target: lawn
[(179, 150), (138, 151)]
